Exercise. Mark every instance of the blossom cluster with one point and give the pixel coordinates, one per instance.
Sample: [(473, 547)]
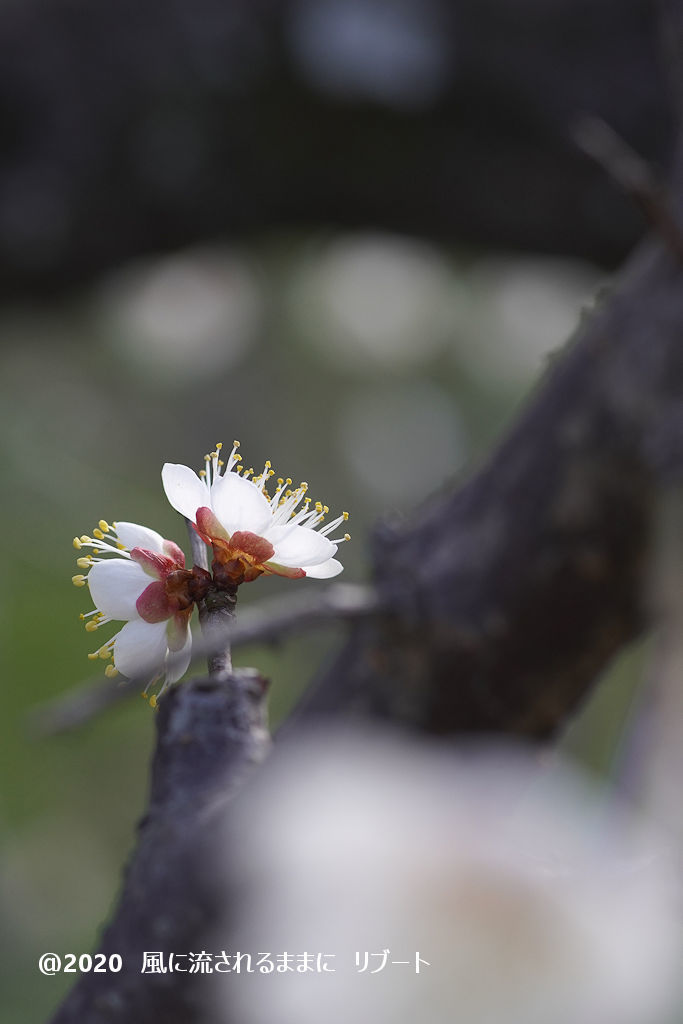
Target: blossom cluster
[(137, 576)]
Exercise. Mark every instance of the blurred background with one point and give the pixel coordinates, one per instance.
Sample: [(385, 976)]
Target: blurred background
[(351, 235)]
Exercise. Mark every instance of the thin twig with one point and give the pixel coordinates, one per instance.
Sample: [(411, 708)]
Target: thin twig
[(634, 175), (264, 623), (197, 546)]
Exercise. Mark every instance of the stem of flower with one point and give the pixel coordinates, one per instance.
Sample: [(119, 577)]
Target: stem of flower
[(216, 617)]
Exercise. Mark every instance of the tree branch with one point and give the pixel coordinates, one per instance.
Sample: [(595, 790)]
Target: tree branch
[(210, 735), (514, 591)]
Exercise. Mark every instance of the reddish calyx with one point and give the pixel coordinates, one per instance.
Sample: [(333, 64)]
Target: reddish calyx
[(175, 590)]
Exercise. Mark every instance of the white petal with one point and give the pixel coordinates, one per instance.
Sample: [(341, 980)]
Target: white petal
[(178, 661), (133, 536), (184, 489), (299, 546), (240, 505), (115, 586), (140, 648), (325, 570)]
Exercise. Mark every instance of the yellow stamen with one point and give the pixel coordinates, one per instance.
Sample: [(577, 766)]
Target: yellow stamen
[(104, 525), (78, 580), (219, 446), (235, 444), (153, 701), (78, 544), (110, 672), (91, 626), (97, 533), (84, 563), (94, 656), (104, 653)]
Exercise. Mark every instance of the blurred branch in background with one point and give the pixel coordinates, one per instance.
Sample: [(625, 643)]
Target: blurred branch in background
[(266, 622)]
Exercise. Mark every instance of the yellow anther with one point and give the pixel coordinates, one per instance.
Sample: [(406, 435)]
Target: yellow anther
[(81, 617), (238, 458), (220, 462), (153, 701), (91, 626), (78, 580), (207, 458), (303, 485), (347, 536), (326, 509), (94, 656), (280, 481), (318, 506), (120, 546), (307, 501), (288, 481), (97, 533), (78, 544), (235, 444), (110, 672), (249, 471), (104, 653), (104, 525), (85, 539), (268, 463), (219, 446), (144, 695), (202, 472), (345, 515), (95, 551), (238, 469), (84, 563)]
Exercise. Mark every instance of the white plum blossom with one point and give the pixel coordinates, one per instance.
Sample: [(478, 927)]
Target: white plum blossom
[(251, 531), (137, 576)]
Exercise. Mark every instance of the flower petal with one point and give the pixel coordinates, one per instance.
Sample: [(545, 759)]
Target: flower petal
[(300, 546), (132, 535), (184, 489), (140, 648), (208, 527), (240, 505), (325, 570), (285, 570), (153, 604), (153, 564), (115, 586), (177, 661)]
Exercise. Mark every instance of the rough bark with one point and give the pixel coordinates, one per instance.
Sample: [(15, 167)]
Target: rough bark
[(515, 590), (210, 734)]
